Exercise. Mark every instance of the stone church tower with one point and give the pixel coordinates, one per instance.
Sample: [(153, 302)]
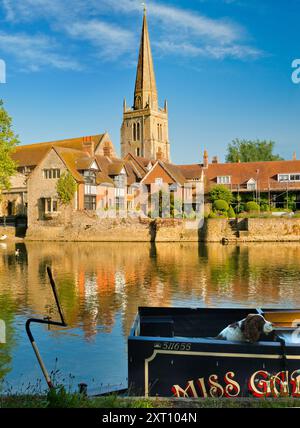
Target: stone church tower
[(144, 129)]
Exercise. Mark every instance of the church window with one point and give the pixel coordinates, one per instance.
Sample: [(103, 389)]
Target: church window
[(138, 132), (138, 152), (134, 132)]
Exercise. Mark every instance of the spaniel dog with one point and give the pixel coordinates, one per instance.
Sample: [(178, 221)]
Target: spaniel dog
[(249, 329)]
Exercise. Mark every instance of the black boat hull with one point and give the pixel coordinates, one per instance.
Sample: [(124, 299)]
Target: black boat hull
[(206, 367)]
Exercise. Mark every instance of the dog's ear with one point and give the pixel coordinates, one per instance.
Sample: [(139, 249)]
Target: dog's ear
[(252, 328)]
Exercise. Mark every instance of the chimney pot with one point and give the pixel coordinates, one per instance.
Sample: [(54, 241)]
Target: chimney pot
[(88, 146)]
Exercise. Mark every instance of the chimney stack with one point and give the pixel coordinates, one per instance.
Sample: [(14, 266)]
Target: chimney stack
[(215, 159), (107, 150), (294, 156), (205, 159), (88, 146)]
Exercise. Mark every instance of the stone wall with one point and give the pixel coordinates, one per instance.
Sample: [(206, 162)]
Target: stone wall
[(84, 226), (252, 230), (273, 229)]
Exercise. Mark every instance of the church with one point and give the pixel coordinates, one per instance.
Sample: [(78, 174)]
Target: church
[(105, 180)]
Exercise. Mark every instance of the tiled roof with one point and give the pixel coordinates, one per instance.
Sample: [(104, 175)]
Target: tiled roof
[(70, 158), (191, 172), (264, 172), (103, 178), (31, 155), (175, 172)]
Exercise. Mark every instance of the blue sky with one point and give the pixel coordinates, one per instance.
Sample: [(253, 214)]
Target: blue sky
[(223, 65)]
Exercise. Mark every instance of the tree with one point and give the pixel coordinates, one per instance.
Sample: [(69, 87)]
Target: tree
[(66, 188), (251, 151), (221, 192), (8, 143)]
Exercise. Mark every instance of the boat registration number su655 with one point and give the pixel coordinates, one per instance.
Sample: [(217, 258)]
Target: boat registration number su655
[(173, 346)]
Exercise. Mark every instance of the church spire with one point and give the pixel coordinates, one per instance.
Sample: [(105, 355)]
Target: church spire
[(145, 87)]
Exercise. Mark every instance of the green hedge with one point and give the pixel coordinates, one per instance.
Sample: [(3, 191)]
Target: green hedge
[(252, 207), (221, 205)]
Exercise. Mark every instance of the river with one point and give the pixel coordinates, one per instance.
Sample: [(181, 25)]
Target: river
[(101, 286)]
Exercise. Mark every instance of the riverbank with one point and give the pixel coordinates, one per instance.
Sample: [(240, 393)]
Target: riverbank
[(114, 402), (171, 230), (162, 230)]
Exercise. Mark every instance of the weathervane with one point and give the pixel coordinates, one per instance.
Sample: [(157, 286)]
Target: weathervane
[(145, 7)]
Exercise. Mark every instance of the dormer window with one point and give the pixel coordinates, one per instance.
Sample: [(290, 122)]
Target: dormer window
[(294, 177), (89, 177), (224, 179), (251, 184)]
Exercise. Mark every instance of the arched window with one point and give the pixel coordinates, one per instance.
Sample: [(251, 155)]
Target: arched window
[(134, 132), (138, 131), (138, 152)]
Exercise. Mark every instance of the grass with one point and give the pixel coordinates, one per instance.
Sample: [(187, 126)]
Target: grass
[(59, 398)]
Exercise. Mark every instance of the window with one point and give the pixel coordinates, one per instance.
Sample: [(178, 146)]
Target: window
[(159, 181), (51, 206), (138, 132), (226, 179), (90, 202), (89, 177), (51, 173), (138, 152), (134, 132), (289, 177)]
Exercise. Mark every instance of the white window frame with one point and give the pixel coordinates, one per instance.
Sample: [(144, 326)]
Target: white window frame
[(284, 178), (224, 179)]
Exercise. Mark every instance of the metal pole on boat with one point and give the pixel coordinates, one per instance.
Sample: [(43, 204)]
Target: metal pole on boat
[(48, 322)]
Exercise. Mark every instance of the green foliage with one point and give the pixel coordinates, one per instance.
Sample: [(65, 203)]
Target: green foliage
[(221, 205), (251, 151), (221, 192), (8, 143), (264, 204), (231, 213), (59, 398), (252, 207), (66, 188), (290, 201)]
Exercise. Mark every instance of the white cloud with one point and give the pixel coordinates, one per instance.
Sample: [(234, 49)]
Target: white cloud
[(111, 40), (187, 49), (35, 52), (183, 31)]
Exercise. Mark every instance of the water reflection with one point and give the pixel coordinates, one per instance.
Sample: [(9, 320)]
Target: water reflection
[(102, 285)]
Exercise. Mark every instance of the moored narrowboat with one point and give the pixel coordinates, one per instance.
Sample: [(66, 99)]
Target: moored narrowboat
[(177, 352)]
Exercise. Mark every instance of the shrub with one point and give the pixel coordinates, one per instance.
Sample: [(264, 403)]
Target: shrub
[(221, 192), (252, 207), (66, 188), (231, 213), (221, 205), (212, 215)]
